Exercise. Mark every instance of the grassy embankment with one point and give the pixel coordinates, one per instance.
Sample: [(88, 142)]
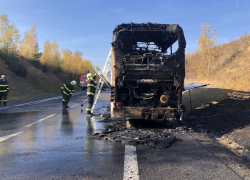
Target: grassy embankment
[(229, 73), (36, 84)]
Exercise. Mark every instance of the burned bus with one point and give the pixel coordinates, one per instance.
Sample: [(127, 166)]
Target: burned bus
[(147, 77)]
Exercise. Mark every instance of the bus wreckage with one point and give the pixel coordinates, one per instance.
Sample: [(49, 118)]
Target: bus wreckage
[(147, 77)]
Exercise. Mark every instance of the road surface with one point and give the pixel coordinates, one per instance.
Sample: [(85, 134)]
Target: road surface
[(41, 141)]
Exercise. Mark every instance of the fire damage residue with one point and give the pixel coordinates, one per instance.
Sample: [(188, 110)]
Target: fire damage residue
[(147, 71), (117, 132)]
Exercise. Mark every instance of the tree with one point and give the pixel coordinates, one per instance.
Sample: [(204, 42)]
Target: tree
[(95, 67), (9, 35), (55, 55), (67, 60), (29, 44), (4, 23), (207, 44), (76, 61), (46, 55)]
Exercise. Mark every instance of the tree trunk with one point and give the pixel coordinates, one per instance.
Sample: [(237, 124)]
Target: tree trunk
[(208, 66)]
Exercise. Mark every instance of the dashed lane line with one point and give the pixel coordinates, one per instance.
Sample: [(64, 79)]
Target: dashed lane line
[(9, 136), (73, 105), (37, 102), (130, 156), (78, 103), (48, 117), (41, 120), (130, 163)]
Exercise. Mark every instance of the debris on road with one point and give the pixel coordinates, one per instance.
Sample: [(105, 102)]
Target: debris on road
[(157, 137)]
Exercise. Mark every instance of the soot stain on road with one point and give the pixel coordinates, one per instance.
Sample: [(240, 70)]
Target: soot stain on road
[(157, 134)]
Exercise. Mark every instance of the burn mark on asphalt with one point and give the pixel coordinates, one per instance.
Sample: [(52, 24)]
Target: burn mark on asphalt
[(158, 135)]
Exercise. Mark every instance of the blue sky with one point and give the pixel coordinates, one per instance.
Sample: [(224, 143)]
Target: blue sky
[(87, 25)]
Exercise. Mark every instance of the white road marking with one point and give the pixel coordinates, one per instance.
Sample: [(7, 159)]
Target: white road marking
[(37, 102), (74, 105), (77, 104), (9, 136), (130, 163), (41, 120)]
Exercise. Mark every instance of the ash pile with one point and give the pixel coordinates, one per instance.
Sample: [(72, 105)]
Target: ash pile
[(158, 135)]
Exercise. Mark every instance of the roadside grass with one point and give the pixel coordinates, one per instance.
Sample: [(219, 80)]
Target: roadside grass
[(229, 69), (36, 84), (229, 73)]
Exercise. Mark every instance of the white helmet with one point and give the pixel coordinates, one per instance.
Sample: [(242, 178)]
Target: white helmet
[(3, 76), (89, 75), (73, 82)]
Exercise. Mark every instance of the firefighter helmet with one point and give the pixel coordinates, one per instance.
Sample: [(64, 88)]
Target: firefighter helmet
[(89, 75), (73, 82), (3, 76)]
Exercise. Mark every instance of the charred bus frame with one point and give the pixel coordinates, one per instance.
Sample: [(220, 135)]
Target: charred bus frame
[(147, 78)]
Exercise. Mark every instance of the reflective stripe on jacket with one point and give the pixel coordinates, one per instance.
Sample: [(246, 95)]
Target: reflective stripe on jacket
[(67, 89), (91, 86), (4, 86)]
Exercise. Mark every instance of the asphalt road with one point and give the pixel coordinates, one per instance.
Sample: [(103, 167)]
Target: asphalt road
[(41, 141)]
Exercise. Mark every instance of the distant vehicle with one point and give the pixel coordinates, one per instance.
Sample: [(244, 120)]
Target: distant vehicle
[(84, 80)]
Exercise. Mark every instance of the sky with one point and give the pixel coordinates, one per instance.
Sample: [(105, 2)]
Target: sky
[(87, 25)]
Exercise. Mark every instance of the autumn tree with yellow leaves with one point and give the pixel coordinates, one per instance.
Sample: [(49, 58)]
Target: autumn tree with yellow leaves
[(76, 61), (66, 60), (46, 57), (29, 44), (9, 35), (51, 58), (56, 56), (207, 44)]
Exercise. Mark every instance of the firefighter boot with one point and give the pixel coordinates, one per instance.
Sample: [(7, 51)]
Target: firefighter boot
[(67, 104), (64, 105)]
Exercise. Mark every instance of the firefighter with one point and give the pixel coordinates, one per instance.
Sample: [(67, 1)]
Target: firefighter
[(67, 91), (91, 86), (4, 89), (104, 86)]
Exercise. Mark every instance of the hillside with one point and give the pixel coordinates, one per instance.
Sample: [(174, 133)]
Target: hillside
[(36, 84), (229, 69), (222, 108), (229, 73)]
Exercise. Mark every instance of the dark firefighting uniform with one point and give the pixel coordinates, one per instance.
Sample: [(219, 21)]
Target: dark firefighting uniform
[(67, 91), (4, 89), (91, 86), (104, 86)]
